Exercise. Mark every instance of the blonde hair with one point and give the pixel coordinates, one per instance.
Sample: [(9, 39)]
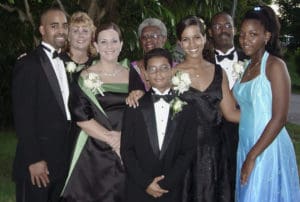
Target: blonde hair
[(83, 18)]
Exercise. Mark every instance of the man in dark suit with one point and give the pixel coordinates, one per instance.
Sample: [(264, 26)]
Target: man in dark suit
[(222, 32), (157, 146), (40, 95)]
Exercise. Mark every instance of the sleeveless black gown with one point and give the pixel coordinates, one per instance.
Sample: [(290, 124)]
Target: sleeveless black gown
[(207, 179)]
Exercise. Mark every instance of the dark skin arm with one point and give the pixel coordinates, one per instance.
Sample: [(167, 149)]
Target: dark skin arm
[(278, 76), (228, 103)]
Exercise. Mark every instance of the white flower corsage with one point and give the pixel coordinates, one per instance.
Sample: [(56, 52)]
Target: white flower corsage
[(71, 67), (176, 105), (238, 69), (92, 81), (181, 82)]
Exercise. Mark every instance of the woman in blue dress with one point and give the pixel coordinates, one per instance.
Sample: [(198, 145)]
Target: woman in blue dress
[(266, 163)]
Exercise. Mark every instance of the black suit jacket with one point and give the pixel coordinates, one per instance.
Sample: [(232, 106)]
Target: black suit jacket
[(39, 115), (141, 155)]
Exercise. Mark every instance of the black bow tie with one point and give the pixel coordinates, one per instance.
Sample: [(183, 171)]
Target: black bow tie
[(222, 57), (168, 97), (55, 54)]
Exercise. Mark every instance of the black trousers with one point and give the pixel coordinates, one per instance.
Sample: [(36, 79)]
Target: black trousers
[(26, 192)]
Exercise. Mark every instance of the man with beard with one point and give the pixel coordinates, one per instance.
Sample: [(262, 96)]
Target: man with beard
[(42, 120), (222, 32)]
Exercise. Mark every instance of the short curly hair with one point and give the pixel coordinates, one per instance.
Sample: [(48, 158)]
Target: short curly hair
[(153, 22)]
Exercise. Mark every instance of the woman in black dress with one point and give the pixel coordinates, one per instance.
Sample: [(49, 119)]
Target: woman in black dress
[(97, 103), (207, 179)]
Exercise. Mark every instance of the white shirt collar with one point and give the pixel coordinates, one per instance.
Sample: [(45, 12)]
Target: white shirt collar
[(221, 53), (51, 48), (156, 91)]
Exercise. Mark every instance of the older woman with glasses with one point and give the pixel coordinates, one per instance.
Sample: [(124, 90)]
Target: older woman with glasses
[(152, 34)]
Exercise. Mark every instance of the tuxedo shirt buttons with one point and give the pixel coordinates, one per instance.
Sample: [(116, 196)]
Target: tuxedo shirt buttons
[(161, 109)]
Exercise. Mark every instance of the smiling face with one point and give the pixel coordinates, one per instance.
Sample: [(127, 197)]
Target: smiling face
[(159, 73), (109, 45), (54, 28), (80, 36), (192, 41), (253, 37), (151, 38), (222, 31)]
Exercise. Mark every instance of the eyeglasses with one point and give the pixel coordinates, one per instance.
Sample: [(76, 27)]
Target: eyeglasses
[(155, 69), (153, 36), (222, 26)]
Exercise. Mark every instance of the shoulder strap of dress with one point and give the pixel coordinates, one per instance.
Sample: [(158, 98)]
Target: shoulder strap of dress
[(218, 73), (263, 63)]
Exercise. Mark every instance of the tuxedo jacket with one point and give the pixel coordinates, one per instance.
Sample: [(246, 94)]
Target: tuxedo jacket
[(142, 158), (39, 116)]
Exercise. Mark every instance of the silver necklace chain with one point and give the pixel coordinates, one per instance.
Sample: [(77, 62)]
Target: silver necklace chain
[(114, 73)]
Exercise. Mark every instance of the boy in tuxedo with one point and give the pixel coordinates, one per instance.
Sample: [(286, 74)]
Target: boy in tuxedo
[(157, 146)]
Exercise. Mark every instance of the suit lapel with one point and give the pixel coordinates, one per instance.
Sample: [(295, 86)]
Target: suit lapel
[(49, 71), (170, 130), (149, 117)]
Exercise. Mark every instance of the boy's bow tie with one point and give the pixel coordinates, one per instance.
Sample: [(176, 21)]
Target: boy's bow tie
[(167, 97)]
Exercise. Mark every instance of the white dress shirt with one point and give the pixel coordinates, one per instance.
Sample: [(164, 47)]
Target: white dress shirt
[(227, 65), (161, 109), (60, 72)]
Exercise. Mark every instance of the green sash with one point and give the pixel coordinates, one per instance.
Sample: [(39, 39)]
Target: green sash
[(83, 136)]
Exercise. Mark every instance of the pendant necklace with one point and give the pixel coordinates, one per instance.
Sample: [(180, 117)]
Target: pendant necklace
[(250, 70)]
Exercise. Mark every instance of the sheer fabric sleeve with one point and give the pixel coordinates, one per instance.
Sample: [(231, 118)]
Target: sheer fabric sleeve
[(135, 81)]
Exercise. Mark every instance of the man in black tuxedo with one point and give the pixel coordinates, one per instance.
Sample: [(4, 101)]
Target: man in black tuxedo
[(222, 32), (157, 146), (42, 120)]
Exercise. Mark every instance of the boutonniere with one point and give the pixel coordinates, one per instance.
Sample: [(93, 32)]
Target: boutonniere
[(71, 67), (238, 69), (92, 82), (181, 82)]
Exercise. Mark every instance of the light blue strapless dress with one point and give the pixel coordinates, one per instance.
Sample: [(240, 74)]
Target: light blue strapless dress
[(275, 176)]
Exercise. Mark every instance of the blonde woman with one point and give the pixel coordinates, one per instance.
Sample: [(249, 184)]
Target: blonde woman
[(80, 52)]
